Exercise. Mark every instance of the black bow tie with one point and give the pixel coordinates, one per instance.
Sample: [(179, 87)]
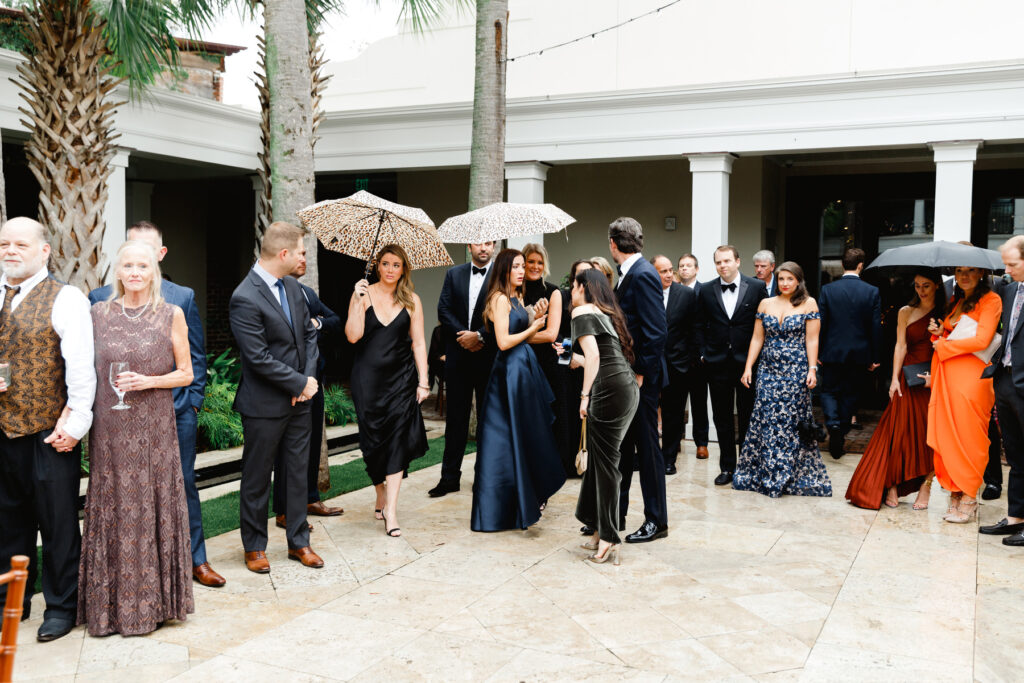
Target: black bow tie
[(731, 286), (479, 271), (618, 270)]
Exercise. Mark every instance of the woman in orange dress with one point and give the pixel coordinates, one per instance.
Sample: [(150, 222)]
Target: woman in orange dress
[(962, 401), (897, 461)]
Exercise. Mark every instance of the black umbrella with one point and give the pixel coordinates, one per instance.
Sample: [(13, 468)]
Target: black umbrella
[(939, 254)]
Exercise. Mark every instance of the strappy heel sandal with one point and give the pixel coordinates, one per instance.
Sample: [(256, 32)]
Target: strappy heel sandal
[(967, 511), (378, 514), (925, 487), (612, 553), (954, 504), (393, 532)]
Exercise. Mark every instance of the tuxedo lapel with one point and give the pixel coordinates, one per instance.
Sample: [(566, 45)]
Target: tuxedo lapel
[(741, 291), (480, 299), (624, 283), (716, 289)]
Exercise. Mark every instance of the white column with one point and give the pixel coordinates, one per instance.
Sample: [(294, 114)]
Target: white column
[(1018, 216), (709, 226), (919, 227), (954, 180), (115, 212), (526, 186)]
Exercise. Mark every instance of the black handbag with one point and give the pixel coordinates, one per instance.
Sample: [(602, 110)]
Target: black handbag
[(911, 372), (810, 431)]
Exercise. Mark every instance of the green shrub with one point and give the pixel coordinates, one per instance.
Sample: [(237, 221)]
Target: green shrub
[(338, 406)]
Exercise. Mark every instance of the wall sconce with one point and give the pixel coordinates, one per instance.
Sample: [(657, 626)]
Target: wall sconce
[(670, 222)]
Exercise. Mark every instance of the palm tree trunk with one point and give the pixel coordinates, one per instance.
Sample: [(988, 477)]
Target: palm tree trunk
[(487, 153), (291, 117), (264, 213), (70, 122), (3, 186)]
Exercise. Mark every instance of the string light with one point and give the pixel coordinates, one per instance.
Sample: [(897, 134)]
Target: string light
[(537, 53)]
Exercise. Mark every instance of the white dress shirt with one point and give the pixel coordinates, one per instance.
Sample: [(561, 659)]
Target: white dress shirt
[(626, 265), (768, 285), (269, 279), (476, 283), (692, 284), (72, 322), (729, 298), (664, 296)]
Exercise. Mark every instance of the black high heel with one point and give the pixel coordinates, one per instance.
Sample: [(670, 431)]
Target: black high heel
[(390, 532)]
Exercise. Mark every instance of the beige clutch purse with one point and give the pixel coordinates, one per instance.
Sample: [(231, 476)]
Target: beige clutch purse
[(581, 455)]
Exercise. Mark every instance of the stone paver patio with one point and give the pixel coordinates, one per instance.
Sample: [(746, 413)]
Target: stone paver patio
[(744, 588)]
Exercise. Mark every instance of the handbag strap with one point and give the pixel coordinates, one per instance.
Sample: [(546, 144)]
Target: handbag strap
[(583, 436)]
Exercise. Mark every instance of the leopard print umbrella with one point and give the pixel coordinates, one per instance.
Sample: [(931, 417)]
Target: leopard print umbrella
[(361, 224), (504, 220)]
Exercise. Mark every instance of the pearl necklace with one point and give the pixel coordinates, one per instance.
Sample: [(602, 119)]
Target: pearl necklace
[(137, 315)]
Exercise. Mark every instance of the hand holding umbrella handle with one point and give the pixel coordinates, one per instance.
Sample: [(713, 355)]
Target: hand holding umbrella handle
[(361, 287)]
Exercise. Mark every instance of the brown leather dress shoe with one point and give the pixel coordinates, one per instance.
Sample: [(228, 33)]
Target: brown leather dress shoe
[(204, 574), (306, 556), (282, 523), (256, 561), (320, 510), (702, 452)]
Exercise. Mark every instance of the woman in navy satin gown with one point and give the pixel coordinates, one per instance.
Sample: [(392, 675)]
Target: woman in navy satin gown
[(517, 461)]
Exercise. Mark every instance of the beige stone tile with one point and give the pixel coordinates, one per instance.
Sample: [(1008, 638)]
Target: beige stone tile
[(688, 658), (906, 591), (999, 633), (59, 658), (511, 602), (561, 635), (630, 627), (806, 632), (758, 652), (464, 624), (745, 538), (711, 616), (405, 601), (118, 652), (541, 667), (463, 565), (833, 662), (440, 657), (132, 674), (783, 607), (225, 668), (741, 581), (787, 676)]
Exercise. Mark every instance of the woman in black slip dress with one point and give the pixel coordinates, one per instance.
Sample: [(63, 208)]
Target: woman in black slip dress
[(389, 377)]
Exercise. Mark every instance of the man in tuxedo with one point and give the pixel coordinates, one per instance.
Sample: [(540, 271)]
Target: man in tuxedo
[(726, 310), (639, 292), (1007, 369), (468, 356), (851, 345), (278, 346), (188, 401), (680, 351), (764, 270), (689, 267), (326, 322)]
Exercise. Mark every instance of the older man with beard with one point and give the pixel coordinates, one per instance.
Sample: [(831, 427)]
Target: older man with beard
[(45, 409)]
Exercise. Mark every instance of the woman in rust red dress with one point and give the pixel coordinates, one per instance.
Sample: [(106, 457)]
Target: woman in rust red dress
[(898, 460), (962, 401)]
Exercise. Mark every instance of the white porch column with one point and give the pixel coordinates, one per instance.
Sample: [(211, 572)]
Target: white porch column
[(709, 226), (954, 179), (919, 226), (115, 211), (526, 186)]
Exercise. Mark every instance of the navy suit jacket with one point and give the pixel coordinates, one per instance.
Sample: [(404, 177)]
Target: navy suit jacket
[(719, 336), (640, 297), (851, 328), (453, 314), (330, 323), (185, 299), (681, 328), (1012, 337), (774, 291)]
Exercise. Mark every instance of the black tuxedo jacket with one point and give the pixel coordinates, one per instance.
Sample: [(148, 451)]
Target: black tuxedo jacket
[(681, 328), (851, 328), (719, 337), (1013, 338), (639, 295), (453, 311), (276, 358)]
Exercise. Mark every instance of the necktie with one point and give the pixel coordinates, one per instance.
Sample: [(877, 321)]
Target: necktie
[(1018, 299), (8, 301), (731, 286), (618, 270), (284, 303), (479, 271)]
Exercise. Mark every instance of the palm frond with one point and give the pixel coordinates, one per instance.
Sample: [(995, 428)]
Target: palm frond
[(138, 34)]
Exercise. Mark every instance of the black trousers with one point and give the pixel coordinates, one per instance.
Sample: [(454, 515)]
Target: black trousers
[(1010, 404), (698, 391), (39, 493), (265, 439), (841, 385), (673, 406), (312, 466), (994, 469), (463, 381), (726, 391), (640, 450)]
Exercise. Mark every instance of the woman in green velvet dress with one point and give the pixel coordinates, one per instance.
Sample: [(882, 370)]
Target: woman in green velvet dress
[(609, 400)]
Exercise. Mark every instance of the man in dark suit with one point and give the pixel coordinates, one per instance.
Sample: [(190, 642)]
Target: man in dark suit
[(326, 322), (639, 293), (1007, 369), (277, 343), (726, 310), (680, 352), (187, 400), (689, 267), (764, 270), (851, 345), (468, 358)]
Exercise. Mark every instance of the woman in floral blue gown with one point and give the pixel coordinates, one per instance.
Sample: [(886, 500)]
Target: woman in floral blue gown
[(775, 459)]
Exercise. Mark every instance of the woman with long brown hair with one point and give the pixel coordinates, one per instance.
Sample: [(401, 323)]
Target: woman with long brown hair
[(608, 401), (389, 377), (517, 463), (780, 453)]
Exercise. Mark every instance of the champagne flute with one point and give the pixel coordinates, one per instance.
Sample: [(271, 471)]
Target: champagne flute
[(115, 370)]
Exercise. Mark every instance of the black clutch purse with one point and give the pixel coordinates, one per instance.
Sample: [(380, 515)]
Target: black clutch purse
[(810, 431), (911, 372)]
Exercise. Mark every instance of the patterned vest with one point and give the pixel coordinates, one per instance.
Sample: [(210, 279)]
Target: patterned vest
[(37, 394)]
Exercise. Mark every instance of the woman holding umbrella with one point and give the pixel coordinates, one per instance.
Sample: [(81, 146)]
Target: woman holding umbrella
[(961, 401)]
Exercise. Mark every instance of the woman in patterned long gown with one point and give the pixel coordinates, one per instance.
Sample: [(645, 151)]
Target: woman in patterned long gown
[(136, 566), (775, 459)]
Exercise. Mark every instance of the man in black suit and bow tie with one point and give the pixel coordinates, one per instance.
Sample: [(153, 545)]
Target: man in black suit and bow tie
[(468, 358), (726, 310), (639, 293), (851, 345), (764, 270), (1007, 369), (680, 352), (277, 342)]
